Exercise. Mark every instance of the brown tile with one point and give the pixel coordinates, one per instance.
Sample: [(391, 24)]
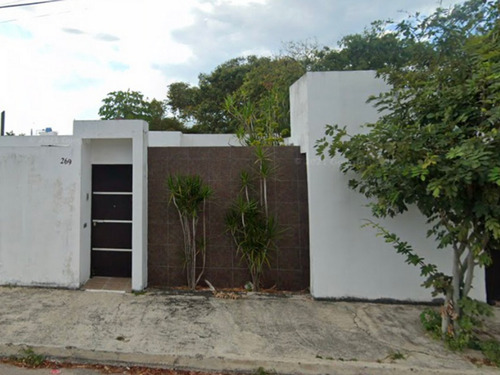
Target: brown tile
[(176, 276), (286, 170), (219, 153), (157, 233), (293, 280), (304, 236), (219, 278), (224, 165), (157, 255), (157, 276), (288, 213), (109, 284), (302, 170), (202, 168), (286, 191), (174, 256), (245, 153), (220, 257), (174, 237), (289, 259), (302, 191), (269, 279), (157, 211), (240, 277), (290, 236), (95, 283)]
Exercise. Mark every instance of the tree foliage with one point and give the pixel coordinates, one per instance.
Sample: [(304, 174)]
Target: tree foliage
[(260, 107), (436, 144), (203, 105), (375, 48), (131, 105), (127, 105), (262, 83), (246, 79)]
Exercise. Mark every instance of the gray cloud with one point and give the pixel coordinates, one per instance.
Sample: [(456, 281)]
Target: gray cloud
[(73, 31), (230, 30), (107, 37)]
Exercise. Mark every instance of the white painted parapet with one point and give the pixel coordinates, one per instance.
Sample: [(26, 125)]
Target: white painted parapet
[(348, 261), (178, 139)]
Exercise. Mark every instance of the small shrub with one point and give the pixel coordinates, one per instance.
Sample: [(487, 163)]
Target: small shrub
[(394, 356), (29, 358), (263, 371), (471, 319), (491, 350), (431, 321)]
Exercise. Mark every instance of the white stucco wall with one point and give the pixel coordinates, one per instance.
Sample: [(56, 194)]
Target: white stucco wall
[(85, 211), (45, 202), (40, 211), (347, 260), (111, 151)]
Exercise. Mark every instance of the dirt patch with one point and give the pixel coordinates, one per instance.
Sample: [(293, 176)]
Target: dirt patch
[(107, 369)]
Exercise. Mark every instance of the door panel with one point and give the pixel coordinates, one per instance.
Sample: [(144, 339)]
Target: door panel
[(493, 278), (111, 235), (111, 241), (111, 263), (112, 178), (112, 207)]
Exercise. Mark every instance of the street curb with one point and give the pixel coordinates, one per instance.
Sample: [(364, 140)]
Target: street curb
[(226, 364)]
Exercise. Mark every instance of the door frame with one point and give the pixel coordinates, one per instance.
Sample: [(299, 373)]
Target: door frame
[(116, 142)]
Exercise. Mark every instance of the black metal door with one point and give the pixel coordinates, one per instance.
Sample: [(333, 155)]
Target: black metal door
[(111, 242), (493, 278)]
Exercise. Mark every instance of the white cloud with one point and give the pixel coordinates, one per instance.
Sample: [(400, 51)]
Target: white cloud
[(59, 60), (63, 58)]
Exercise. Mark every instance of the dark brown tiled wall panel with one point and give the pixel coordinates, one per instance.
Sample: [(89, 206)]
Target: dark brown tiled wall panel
[(220, 168)]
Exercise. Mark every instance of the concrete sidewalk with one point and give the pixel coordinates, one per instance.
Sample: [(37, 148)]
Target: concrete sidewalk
[(292, 335)]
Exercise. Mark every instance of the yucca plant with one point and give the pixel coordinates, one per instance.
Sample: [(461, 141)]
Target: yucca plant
[(253, 230), (254, 235), (189, 195)]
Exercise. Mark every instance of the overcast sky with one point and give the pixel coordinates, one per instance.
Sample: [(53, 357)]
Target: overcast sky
[(59, 60)]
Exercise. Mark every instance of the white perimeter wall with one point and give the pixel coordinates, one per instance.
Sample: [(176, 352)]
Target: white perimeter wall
[(40, 211), (347, 260)]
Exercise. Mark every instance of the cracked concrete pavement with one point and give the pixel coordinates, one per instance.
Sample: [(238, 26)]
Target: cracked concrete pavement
[(293, 334)]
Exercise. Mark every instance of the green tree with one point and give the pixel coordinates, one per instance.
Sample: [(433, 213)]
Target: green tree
[(131, 105), (182, 100), (203, 105), (247, 79), (375, 48), (127, 105), (436, 147), (261, 106)]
